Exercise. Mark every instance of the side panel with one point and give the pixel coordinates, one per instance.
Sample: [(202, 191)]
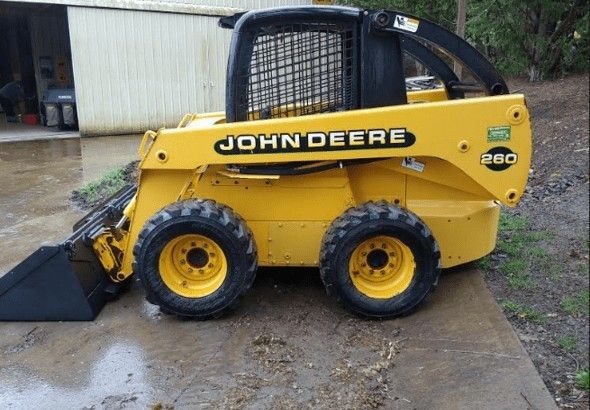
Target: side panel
[(459, 132), (465, 231), (289, 215)]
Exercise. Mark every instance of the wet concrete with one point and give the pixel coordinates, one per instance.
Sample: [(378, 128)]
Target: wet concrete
[(286, 346), (36, 179), (18, 132)]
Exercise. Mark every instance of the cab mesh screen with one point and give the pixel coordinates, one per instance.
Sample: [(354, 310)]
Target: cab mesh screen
[(302, 69)]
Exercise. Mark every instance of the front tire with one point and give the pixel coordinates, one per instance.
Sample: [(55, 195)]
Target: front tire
[(379, 260), (195, 258)]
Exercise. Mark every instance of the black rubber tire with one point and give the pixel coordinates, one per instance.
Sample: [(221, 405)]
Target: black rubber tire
[(360, 223), (210, 219)]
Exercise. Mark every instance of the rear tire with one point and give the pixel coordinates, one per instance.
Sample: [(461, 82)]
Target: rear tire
[(379, 260), (195, 258)]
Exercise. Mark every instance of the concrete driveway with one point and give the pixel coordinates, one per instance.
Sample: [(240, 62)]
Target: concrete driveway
[(286, 346)]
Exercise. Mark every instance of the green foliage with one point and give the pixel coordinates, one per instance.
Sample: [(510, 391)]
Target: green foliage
[(520, 246), (525, 312), (513, 223), (583, 379), (513, 267), (485, 263), (442, 11), (568, 342), (106, 186), (511, 306), (534, 315), (538, 38), (577, 304)]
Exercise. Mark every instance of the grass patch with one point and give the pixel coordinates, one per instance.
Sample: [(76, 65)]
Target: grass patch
[(525, 312), (516, 272), (107, 185), (568, 342), (523, 252), (577, 304), (583, 379), (511, 306), (534, 315), (485, 263), (521, 282), (513, 223), (538, 253), (555, 271), (513, 267)]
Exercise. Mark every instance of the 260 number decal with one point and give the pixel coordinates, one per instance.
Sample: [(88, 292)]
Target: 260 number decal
[(499, 158)]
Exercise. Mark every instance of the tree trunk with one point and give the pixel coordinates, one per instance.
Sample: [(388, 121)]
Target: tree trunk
[(461, 18)]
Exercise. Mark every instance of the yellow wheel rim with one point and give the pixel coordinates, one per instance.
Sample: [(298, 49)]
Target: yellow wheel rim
[(192, 266), (381, 267)]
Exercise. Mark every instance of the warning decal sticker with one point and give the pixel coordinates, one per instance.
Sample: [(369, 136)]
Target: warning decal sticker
[(406, 23)]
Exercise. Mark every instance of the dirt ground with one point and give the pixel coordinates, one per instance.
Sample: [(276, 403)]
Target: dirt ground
[(556, 205)]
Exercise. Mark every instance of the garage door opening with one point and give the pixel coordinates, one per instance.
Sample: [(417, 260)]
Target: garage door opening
[(36, 79)]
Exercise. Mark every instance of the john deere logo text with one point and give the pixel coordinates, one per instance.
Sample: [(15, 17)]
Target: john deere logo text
[(314, 141)]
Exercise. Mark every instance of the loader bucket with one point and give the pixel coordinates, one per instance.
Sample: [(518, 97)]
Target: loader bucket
[(65, 281)]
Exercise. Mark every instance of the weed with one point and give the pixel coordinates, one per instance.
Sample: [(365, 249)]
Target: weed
[(521, 282), (524, 312), (533, 315), (513, 223), (568, 342), (511, 306), (513, 267), (543, 235), (583, 379), (511, 246), (555, 271), (106, 186), (575, 305), (538, 254), (484, 263), (516, 271)]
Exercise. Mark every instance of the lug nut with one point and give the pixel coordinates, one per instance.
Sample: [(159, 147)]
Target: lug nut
[(201, 271), (182, 261), (210, 265), (193, 244)]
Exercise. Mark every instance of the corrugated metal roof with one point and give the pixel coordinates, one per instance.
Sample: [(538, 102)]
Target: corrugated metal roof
[(201, 7)]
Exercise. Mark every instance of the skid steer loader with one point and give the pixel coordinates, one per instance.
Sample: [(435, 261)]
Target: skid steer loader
[(322, 158)]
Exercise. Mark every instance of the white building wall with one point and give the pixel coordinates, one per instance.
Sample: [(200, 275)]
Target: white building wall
[(138, 70)]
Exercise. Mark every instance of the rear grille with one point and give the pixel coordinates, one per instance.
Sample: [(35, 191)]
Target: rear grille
[(302, 69)]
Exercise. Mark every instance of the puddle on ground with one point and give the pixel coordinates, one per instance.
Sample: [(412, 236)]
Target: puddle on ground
[(36, 179)]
